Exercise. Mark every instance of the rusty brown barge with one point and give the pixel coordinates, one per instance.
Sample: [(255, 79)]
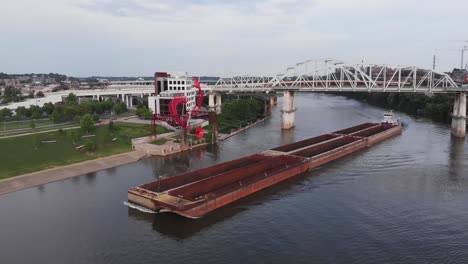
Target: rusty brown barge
[(195, 193)]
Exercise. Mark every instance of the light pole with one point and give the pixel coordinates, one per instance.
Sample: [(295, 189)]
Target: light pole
[(462, 56)]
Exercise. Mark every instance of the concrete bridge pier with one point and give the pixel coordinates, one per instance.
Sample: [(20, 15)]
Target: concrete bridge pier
[(270, 102), (459, 116), (273, 100), (214, 102), (288, 112), (218, 103)]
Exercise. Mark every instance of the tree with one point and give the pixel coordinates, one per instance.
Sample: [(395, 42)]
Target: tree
[(32, 124), (85, 108), (71, 99), (21, 111), (40, 94), (143, 112), (87, 123), (108, 104), (48, 108), (111, 126), (77, 119), (70, 111), (6, 113), (90, 146), (36, 111), (120, 108)]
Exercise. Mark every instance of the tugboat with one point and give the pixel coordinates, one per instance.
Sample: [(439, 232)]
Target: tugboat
[(389, 119)]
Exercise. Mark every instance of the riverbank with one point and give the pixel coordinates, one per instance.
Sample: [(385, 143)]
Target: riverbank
[(222, 137), (36, 152), (436, 107), (64, 172)]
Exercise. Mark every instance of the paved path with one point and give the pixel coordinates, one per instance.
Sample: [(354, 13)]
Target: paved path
[(56, 174)]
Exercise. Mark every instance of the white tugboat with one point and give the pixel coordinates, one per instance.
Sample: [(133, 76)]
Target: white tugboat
[(390, 119)]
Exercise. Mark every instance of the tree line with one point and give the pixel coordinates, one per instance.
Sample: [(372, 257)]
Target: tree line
[(70, 110), (437, 107)]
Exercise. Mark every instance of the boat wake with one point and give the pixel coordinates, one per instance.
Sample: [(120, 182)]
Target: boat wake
[(139, 208)]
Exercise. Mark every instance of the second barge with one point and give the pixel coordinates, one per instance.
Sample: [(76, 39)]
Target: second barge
[(193, 194)]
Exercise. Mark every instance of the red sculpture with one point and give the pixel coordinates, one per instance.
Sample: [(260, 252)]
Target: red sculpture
[(181, 120)]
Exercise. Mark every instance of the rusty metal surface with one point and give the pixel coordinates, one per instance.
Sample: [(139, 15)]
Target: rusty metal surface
[(205, 188), (372, 130), (304, 143), (324, 147), (353, 129), (197, 175)]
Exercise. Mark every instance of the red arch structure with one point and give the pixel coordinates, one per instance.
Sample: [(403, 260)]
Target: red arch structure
[(180, 120)]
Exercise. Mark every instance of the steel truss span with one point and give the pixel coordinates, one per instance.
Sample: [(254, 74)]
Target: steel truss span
[(334, 76)]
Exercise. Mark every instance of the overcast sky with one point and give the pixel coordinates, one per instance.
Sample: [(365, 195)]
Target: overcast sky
[(207, 37)]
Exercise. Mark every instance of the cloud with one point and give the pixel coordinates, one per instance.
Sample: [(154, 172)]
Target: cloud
[(137, 37)]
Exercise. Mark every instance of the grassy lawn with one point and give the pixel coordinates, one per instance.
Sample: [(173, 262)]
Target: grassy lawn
[(24, 124), (26, 154), (159, 142)]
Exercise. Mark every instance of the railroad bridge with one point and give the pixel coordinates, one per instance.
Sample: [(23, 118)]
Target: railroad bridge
[(335, 76)]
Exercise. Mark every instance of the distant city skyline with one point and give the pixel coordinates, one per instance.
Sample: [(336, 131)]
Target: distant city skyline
[(205, 37)]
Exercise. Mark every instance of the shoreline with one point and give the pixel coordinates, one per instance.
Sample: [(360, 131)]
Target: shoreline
[(26, 181), (226, 136), (33, 179)]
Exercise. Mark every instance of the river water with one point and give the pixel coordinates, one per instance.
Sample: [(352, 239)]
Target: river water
[(404, 200)]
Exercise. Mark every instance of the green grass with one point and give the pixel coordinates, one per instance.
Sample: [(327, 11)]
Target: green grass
[(24, 124), (159, 142), (26, 154)]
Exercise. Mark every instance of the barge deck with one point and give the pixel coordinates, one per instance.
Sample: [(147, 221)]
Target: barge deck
[(196, 193)]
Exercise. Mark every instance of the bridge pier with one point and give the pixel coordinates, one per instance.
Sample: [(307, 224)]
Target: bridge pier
[(273, 100), (218, 103), (288, 112), (214, 102), (459, 116)]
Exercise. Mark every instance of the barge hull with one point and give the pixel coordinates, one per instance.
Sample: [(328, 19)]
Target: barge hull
[(196, 193)]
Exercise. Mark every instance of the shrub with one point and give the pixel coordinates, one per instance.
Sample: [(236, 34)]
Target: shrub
[(90, 146)]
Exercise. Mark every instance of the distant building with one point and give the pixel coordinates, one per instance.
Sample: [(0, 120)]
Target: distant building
[(11, 81), (24, 78), (460, 76), (167, 87), (49, 80)]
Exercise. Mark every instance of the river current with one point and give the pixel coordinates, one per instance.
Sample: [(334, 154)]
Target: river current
[(404, 200)]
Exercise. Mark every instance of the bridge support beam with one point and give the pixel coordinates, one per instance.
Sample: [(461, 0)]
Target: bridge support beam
[(214, 102), (218, 103), (459, 116), (211, 102), (288, 112), (273, 100)]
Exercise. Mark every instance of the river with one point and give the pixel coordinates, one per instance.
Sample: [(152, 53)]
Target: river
[(404, 200)]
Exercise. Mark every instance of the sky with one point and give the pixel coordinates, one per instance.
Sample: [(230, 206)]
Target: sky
[(223, 38)]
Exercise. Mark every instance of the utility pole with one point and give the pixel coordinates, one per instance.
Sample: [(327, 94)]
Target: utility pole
[(433, 62), (462, 56)]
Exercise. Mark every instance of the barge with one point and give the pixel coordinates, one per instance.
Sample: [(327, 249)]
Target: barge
[(196, 193)]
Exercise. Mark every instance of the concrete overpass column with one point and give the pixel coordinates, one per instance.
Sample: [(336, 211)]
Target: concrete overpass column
[(211, 102), (459, 116), (130, 100), (288, 112), (218, 103)]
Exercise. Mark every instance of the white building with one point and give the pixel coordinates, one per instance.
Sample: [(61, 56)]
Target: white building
[(169, 86)]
